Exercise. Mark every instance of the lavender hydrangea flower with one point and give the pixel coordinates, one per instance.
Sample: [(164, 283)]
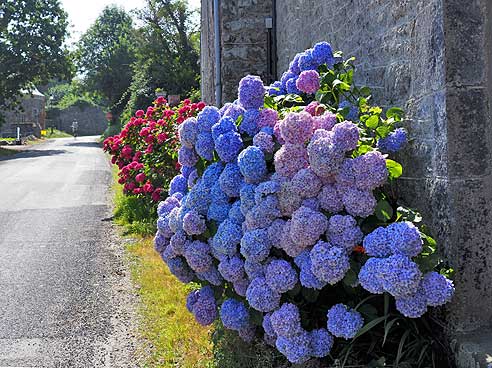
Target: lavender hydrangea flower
[(267, 325), (264, 141), (326, 121), (234, 314), (207, 118), (295, 348), (252, 164), (290, 159), (286, 321), (404, 238), (358, 202), (167, 205), (234, 111), (394, 141), (288, 198), (254, 269), (291, 86), (307, 183), (178, 241), (187, 132), (178, 184), (307, 226), (231, 180), (321, 342), (223, 126), (275, 231), (205, 308), (198, 256), (369, 170), (255, 245), (187, 156), (306, 276), (228, 145), (344, 322), (261, 297), (297, 128), (232, 269), (413, 306), (329, 263), (280, 275), (330, 199), (251, 92), (241, 286), (290, 247), (160, 242), (344, 232), (324, 157), (345, 136), (308, 81), (212, 276), (263, 214), (438, 290), (163, 226), (180, 269), (204, 146), (267, 118), (193, 223), (249, 124)]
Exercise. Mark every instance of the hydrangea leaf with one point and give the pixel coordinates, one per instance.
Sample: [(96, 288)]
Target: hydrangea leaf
[(394, 168), (383, 210)]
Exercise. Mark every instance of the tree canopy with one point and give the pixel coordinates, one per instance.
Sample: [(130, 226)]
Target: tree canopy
[(32, 33)]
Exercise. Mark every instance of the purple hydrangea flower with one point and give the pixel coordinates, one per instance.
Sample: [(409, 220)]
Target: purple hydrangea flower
[(160, 242), (267, 118), (198, 256), (263, 214), (306, 276), (290, 159), (308, 81), (261, 297), (345, 136), (234, 314), (326, 121), (307, 226), (394, 141), (330, 199), (180, 269), (254, 269), (193, 223), (187, 156), (358, 202), (247, 334), (187, 132), (255, 245), (240, 286), (267, 325), (297, 128), (275, 231), (234, 111), (438, 290), (307, 183), (369, 170), (212, 275), (232, 269), (264, 141), (404, 238), (321, 342), (251, 92), (205, 308), (252, 164), (286, 321), (329, 263), (168, 204), (344, 232), (295, 348), (280, 275), (344, 322), (325, 158), (288, 198)]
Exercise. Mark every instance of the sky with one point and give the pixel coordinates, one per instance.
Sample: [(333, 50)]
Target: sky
[(82, 13)]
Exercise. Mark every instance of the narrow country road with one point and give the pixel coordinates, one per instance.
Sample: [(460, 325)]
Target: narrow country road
[(65, 294)]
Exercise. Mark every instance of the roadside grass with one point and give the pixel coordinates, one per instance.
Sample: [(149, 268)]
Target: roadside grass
[(6, 152), (57, 134), (173, 338)]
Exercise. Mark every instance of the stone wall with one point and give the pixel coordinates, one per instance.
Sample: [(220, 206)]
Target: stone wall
[(30, 117), (91, 119)]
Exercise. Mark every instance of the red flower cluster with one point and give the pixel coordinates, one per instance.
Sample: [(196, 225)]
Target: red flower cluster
[(146, 148)]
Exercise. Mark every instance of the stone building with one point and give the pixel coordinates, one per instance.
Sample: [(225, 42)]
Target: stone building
[(30, 117), (91, 119), (432, 57)]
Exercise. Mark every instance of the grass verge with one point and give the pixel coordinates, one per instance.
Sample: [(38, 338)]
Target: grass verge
[(56, 134), (173, 337)]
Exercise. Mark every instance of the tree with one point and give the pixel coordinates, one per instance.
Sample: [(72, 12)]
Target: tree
[(168, 52), (105, 55), (32, 33)]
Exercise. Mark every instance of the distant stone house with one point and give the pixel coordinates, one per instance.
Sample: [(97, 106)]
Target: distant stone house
[(30, 117)]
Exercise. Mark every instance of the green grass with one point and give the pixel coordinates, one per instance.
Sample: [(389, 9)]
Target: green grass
[(7, 139), (6, 152), (56, 134)]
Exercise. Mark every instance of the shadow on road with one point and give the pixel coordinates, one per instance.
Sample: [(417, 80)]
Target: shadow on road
[(84, 144), (33, 153)]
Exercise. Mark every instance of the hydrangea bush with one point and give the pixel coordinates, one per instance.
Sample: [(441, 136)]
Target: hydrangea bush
[(146, 149), (285, 212)]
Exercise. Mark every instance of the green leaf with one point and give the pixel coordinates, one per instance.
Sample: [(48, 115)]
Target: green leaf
[(387, 329), (341, 85), (372, 122), (395, 113), (383, 210), (383, 131), (370, 325), (350, 278), (365, 91), (394, 168)]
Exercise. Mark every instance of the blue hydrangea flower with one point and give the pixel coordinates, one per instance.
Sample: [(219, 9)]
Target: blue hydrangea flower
[(178, 241), (353, 111), (212, 173), (247, 196), (235, 213), (218, 211), (180, 269), (264, 141), (306, 61), (291, 86), (261, 297), (252, 164), (286, 321), (329, 263), (191, 300), (163, 226), (227, 238), (306, 276), (207, 118), (404, 238), (323, 54), (413, 306), (344, 322), (204, 146), (187, 156), (249, 124), (344, 232), (167, 205), (212, 275), (321, 342), (240, 286), (251, 92), (377, 243), (307, 226), (228, 146), (286, 76), (280, 275), (324, 157), (294, 65), (198, 256), (225, 125), (187, 132), (234, 314), (198, 198), (160, 242), (232, 269), (187, 170), (394, 141), (234, 112), (254, 269), (231, 180), (295, 348), (193, 223), (370, 275), (255, 245), (275, 231), (276, 89), (205, 308), (263, 214), (307, 183), (401, 276), (330, 199), (178, 184), (217, 195), (438, 290), (267, 325)]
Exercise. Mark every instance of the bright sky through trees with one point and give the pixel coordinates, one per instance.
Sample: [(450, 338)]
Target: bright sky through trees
[(83, 13)]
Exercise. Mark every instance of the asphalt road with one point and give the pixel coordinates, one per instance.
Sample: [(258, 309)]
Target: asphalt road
[(65, 294)]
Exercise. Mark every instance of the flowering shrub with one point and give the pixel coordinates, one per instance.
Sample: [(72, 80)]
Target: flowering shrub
[(146, 148), (286, 213)]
